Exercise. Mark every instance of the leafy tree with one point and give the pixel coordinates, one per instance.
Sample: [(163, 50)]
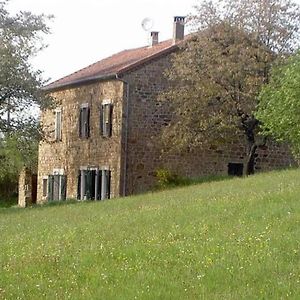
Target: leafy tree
[(218, 74), (20, 87), (20, 40), (279, 105), (17, 150)]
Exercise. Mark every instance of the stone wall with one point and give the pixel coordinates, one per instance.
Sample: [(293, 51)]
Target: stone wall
[(73, 152), (148, 116), (25, 188)]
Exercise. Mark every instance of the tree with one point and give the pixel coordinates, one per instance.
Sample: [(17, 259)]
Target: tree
[(218, 73), (20, 88), (20, 84), (279, 105)]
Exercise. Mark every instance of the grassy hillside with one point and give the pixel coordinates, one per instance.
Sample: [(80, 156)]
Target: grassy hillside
[(235, 239)]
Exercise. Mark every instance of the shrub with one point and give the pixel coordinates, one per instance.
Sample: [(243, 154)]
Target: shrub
[(166, 178)]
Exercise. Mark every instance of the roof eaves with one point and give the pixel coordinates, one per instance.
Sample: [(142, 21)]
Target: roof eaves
[(74, 83)]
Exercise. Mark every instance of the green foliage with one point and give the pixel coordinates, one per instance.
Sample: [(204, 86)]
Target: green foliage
[(20, 84), (17, 150), (279, 105), (20, 93), (166, 178), (217, 76), (236, 239), (7, 202)]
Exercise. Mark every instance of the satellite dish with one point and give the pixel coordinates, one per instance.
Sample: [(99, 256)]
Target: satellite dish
[(147, 24)]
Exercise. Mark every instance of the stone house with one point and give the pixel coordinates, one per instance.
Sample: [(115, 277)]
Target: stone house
[(102, 137)]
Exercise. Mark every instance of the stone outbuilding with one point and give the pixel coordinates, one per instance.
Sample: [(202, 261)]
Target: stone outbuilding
[(102, 137), (27, 188)]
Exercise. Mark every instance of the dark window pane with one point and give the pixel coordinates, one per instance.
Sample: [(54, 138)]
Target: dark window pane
[(235, 169)]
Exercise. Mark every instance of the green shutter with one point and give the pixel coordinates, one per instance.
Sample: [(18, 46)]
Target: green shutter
[(108, 179), (87, 122), (50, 187), (89, 184), (101, 120), (63, 187), (106, 120), (80, 122), (110, 112), (79, 185), (99, 184)]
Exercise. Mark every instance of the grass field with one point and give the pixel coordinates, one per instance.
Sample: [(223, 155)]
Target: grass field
[(233, 239)]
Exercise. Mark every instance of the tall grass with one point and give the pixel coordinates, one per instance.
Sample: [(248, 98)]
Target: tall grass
[(233, 239)]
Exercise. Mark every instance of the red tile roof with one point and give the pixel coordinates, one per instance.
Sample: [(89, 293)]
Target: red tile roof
[(116, 64)]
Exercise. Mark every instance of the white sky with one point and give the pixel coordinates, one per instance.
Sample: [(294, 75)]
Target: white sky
[(85, 31)]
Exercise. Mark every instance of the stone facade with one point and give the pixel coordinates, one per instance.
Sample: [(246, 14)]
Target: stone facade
[(133, 152), (72, 152)]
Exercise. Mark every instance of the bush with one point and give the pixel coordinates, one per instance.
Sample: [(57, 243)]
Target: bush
[(166, 178)]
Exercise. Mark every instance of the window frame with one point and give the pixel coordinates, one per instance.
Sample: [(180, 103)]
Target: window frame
[(60, 179), (84, 121), (102, 183), (106, 113)]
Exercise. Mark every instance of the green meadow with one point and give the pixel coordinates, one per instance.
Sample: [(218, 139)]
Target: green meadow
[(232, 239)]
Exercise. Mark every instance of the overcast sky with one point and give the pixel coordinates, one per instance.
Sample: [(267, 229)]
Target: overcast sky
[(85, 31)]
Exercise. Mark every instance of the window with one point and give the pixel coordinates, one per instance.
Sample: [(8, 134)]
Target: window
[(106, 118), (84, 121), (235, 169), (45, 186), (58, 125), (57, 186), (93, 184)]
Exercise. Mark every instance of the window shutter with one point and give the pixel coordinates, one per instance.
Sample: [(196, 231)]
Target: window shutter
[(99, 184), (108, 179), (87, 122), (50, 187), (84, 122), (103, 185), (88, 184), (45, 187), (80, 122), (105, 192), (63, 187), (106, 120), (110, 112), (101, 120), (56, 187), (79, 185), (58, 125)]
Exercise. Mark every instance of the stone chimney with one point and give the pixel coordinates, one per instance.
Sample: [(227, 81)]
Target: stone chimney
[(178, 29), (154, 38)]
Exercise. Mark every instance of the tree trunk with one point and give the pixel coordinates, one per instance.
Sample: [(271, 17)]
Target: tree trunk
[(251, 159)]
